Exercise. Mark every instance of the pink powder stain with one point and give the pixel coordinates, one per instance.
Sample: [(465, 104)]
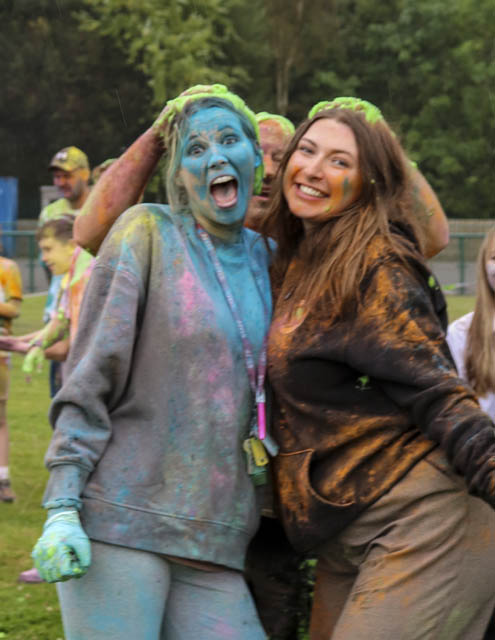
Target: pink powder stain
[(223, 396), (224, 631), (220, 383), (190, 293), (213, 375), (192, 297), (219, 479)]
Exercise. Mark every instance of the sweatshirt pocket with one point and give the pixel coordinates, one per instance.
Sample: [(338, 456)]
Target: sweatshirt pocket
[(310, 520)]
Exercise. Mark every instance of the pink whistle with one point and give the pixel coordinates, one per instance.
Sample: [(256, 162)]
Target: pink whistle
[(261, 420)]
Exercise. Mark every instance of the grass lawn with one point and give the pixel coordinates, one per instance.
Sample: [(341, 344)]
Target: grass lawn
[(31, 612), (28, 612), (459, 305)]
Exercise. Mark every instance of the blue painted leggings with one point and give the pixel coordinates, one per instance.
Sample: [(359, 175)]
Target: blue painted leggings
[(135, 594)]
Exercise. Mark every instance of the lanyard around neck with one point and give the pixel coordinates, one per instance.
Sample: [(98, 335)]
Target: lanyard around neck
[(256, 375)]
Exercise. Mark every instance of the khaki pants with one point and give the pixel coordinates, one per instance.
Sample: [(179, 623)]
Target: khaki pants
[(419, 564)]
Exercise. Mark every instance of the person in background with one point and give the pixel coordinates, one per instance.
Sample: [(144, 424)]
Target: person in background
[(10, 302), (66, 259), (275, 134), (384, 452), (56, 249), (71, 175), (100, 169), (74, 265), (70, 172), (471, 338)]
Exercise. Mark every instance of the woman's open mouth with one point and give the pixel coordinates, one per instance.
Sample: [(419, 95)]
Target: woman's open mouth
[(224, 191)]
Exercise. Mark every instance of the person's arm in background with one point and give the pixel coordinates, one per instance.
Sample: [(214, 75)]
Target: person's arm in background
[(58, 351), (53, 332), (432, 216), (120, 186), (27, 337), (10, 309)]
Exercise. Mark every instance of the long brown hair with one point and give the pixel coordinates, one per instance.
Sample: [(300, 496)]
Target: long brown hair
[(335, 255), (480, 346)]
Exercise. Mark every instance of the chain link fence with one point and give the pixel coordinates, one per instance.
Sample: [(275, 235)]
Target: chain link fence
[(455, 266)]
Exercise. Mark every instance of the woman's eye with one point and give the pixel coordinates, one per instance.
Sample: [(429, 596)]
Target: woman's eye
[(305, 148), (230, 139), (195, 150), (340, 162)]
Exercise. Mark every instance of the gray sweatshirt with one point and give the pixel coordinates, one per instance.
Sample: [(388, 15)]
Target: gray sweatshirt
[(151, 419)]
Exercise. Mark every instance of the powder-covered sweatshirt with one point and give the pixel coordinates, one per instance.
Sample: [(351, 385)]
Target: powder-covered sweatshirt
[(363, 399), (151, 419)]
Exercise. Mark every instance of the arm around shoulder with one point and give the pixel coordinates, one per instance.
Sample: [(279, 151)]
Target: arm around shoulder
[(431, 214)]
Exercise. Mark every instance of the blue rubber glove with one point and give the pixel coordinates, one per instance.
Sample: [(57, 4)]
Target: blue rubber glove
[(64, 550)]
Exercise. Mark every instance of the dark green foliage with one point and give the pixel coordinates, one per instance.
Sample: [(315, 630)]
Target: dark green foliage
[(61, 86), (93, 73)]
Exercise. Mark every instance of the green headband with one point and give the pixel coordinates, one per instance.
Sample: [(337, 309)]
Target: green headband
[(285, 124), (371, 113), (199, 91)]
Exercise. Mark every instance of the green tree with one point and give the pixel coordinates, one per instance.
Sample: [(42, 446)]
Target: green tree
[(298, 33), (429, 66), (175, 44), (61, 87)]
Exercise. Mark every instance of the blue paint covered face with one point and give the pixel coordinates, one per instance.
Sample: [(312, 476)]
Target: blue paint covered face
[(217, 169)]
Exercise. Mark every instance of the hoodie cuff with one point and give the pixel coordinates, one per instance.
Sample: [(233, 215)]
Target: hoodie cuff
[(65, 486)]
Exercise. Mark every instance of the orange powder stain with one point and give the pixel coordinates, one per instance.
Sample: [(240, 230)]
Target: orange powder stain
[(338, 190)]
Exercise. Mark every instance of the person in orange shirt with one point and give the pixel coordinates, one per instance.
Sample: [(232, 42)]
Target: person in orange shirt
[(10, 301)]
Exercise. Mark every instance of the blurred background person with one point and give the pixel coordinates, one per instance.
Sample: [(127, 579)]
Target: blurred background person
[(71, 175), (471, 338), (275, 134), (71, 263), (10, 302), (66, 259)]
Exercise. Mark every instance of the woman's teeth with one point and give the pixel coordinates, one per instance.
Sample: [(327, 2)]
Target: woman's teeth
[(311, 192)]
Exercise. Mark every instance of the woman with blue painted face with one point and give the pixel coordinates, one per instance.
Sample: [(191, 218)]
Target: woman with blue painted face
[(158, 448)]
